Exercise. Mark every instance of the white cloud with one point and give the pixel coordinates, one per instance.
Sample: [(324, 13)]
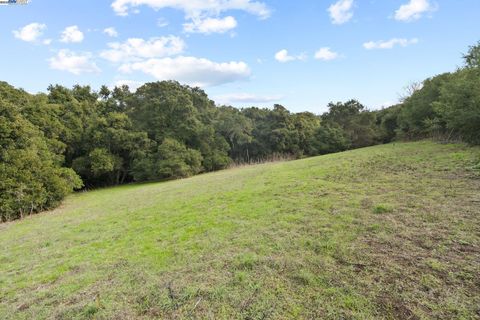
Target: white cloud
[(341, 11), (326, 54), (390, 44), (72, 34), (69, 61), (233, 98), (191, 70), (137, 48), (195, 8), (413, 10), (283, 56), (31, 32), (211, 25), (111, 32)]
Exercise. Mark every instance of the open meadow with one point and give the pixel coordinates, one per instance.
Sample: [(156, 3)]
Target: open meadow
[(385, 232)]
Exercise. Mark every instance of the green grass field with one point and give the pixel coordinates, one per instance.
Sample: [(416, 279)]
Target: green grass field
[(387, 232)]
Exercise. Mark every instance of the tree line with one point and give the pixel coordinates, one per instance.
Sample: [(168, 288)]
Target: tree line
[(66, 139)]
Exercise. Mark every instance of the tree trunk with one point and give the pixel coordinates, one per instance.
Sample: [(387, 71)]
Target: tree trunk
[(124, 175)]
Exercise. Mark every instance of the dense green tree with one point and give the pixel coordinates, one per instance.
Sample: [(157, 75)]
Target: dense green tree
[(175, 160), (306, 125), (329, 138), (213, 147), (275, 132), (447, 106), (236, 129), (30, 178), (458, 105), (418, 111), (171, 160), (358, 123), (112, 140), (387, 123), (164, 109), (169, 110), (472, 58)]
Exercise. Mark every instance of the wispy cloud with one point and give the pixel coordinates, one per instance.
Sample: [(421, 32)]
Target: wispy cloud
[(195, 9), (283, 56), (201, 16), (326, 54), (211, 25), (389, 44), (111, 32), (234, 98)]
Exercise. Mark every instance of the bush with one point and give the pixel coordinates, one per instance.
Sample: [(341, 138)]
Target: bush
[(175, 160), (459, 105), (328, 139)]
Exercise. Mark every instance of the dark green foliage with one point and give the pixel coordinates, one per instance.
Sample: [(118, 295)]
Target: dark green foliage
[(458, 105), (265, 132), (358, 125), (169, 110), (164, 109), (329, 139), (236, 129), (175, 160), (447, 106), (417, 112), (472, 58), (101, 140), (387, 121), (31, 179), (97, 163), (172, 159)]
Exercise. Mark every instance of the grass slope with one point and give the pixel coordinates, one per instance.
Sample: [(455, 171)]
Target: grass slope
[(390, 232)]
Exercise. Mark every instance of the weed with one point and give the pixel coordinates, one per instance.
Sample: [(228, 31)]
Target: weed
[(382, 208)]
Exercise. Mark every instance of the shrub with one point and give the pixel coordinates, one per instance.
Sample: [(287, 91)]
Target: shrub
[(176, 160)]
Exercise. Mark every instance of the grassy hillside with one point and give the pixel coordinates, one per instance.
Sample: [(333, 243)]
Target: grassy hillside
[(390, 232)]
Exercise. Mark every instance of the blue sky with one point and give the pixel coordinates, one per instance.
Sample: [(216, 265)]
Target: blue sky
[(302, 54)]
